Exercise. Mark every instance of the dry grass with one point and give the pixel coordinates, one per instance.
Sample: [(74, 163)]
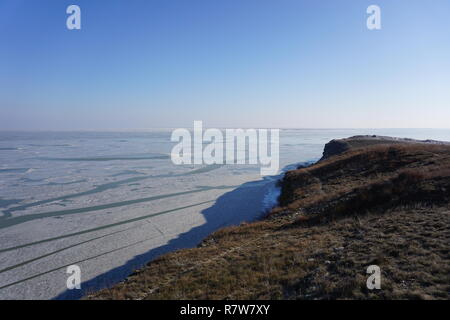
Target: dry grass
[(385, 204)]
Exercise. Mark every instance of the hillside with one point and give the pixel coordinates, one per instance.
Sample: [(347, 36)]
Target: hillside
[(370, 200)]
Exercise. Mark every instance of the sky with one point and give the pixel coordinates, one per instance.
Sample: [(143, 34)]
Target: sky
[(231, 63)]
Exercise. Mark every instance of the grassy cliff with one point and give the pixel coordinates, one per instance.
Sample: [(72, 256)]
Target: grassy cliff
[(370, 200)]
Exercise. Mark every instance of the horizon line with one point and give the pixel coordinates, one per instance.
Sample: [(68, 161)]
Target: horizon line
[(205, 128)]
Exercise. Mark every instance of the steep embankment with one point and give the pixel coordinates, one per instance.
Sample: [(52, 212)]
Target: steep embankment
[(370, 200)]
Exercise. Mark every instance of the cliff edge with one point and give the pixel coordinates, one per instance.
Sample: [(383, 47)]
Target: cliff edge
[(369, 201), (338, 146)]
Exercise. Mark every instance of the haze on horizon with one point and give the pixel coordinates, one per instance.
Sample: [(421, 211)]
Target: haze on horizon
[(236, 63)]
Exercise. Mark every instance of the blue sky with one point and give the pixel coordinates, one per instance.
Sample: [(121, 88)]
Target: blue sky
[(231, 63)]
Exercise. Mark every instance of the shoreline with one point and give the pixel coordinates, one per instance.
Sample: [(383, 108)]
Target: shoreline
[(249, 195), (243, 240)]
